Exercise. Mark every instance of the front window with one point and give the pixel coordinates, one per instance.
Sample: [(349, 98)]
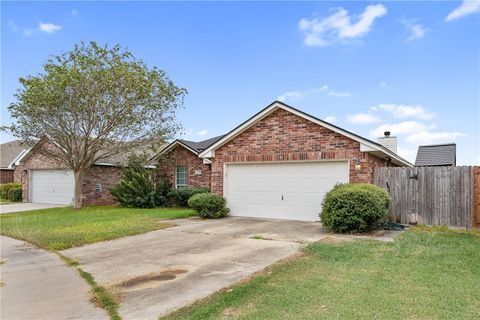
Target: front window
[(181, 177)]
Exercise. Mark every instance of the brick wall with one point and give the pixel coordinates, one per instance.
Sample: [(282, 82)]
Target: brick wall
[(6, 175), (104, 175), (181, 156), (285, 136)]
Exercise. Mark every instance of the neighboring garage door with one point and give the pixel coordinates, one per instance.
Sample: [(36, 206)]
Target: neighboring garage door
[(52, 186), (292, 190)]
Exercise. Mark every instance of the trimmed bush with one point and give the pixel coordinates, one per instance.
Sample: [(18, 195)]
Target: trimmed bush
[(180, 197), (209, 205), (354, 207), (138, 188), (5, 188), (15, 194)]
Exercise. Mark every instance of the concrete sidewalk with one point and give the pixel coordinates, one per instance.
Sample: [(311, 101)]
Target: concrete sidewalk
[(36, 284), (19, 207)]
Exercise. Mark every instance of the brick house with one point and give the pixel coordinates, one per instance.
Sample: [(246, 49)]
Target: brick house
[(279, 163), (45, 180), (9, 153)]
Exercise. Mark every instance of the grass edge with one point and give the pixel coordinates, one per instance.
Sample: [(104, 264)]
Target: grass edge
[(101, 296)]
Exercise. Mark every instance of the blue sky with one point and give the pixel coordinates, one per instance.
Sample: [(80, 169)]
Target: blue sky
[(410, 67)]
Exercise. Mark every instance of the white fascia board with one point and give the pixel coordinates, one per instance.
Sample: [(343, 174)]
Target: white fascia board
[(365, 148), (175, 143), (22, 155), (16, 161)]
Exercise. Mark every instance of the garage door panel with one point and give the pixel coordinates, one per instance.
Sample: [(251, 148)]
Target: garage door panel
[(52, 186), (256, 190)]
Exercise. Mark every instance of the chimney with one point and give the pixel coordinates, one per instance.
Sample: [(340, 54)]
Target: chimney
[(388, 141)]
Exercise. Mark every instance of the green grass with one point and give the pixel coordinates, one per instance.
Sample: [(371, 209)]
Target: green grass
[(428, 273), (62, 228), (5, 201), (101, 296)]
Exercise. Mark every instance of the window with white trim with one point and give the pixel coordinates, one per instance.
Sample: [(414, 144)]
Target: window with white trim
[(181, 174)]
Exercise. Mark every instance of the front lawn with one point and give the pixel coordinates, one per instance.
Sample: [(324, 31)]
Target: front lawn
[(425, 274), (5, 201), (62, 228)]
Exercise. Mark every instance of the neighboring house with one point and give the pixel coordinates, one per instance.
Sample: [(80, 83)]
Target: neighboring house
[(48, 181), (9, 153), (437, 155), (279, 163)]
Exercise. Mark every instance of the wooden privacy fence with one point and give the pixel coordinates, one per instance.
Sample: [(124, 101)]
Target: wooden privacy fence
[(446, 196)]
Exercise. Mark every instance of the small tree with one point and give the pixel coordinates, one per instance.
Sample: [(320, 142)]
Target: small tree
[(95, 102)]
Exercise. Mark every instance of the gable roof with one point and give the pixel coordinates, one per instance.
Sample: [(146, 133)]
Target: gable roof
[(366, 145), (202, 145), (195, 147), (436, 155), (10, 151), (112, 161)]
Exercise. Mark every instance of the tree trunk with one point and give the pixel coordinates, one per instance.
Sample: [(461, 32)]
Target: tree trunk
[(77, 195)]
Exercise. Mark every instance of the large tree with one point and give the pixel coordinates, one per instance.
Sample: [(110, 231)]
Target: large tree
[(92, 103)]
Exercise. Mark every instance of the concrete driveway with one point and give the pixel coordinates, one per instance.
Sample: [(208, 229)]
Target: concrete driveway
[(36, 284), (19, 207), (164, 270)]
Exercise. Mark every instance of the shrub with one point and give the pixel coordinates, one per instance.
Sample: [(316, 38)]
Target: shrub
[(15, 194), (5, 187), (180, 197), (208, 205), (354, 207), (138, 188)]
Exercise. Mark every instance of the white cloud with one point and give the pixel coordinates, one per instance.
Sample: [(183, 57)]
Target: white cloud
[(362, 118), (27, 32), (340, 94), (49, 27), (202, 133), (382, 84), (405, 111), (331, 119), (428, 137), (12, 26), (297, 94), (467, 7), (406, 127), (290, 96), (338, 26), (322, 88), (416, 30)]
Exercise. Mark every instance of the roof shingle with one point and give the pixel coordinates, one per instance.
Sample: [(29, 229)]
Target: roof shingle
[(436, 155), (9, 151)]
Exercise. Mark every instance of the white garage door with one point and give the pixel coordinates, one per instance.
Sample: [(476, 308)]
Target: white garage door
[(292, 190), (52, 186)]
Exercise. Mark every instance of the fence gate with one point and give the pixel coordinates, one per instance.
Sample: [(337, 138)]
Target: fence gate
[(432, 195)]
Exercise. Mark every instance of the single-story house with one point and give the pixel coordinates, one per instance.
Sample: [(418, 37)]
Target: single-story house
[(46, 180), (437, 155), (9, 153), (279, 163)]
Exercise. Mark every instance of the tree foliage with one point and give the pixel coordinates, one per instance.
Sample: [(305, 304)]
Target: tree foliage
[(95, 102)]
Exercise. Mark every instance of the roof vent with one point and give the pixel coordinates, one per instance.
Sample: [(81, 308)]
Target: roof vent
[(388, 141)]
